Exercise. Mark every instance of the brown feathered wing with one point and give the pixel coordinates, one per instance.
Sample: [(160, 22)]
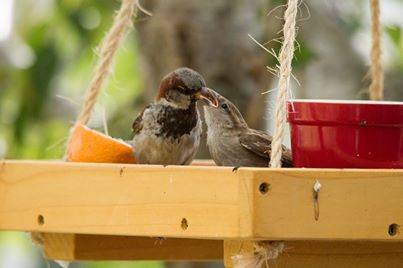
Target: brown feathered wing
[(137, 125), (259, 143)]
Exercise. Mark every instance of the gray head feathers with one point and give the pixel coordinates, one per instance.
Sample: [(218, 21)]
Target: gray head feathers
[(190, 78)]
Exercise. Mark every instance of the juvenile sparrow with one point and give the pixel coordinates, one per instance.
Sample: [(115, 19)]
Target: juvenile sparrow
[(168, 130), (232, 143)]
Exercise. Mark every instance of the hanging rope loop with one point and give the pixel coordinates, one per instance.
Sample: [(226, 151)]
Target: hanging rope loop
[(267, 250), (376, 88), (285, 60), (107, 51)]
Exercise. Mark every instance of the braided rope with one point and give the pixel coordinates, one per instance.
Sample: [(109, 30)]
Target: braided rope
[(108, 49), (266, 250), (376, 88), (285, 59)]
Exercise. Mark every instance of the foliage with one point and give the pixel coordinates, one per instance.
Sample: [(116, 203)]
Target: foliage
[(396, 36), (51, 54)]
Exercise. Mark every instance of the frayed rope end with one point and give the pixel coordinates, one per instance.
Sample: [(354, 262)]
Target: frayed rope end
[(263, 252)]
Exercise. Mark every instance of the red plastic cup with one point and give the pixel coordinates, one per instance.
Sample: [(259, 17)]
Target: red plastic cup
[(346, 134)]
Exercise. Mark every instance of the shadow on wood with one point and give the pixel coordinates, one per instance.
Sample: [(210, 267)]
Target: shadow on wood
[(104, 247)]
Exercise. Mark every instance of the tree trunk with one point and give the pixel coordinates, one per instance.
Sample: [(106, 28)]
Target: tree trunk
[(212, 38)]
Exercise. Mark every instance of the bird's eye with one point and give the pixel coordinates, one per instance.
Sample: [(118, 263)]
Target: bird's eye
[(224, 106)]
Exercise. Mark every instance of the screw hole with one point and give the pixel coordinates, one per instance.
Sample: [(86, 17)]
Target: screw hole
[(264, 187), (41, 219), (393, 229), (184, 224)]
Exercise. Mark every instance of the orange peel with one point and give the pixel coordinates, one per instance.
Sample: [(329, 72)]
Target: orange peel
[(88, 145)]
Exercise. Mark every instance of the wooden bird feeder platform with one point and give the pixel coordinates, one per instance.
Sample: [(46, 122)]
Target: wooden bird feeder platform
[(141, 212)]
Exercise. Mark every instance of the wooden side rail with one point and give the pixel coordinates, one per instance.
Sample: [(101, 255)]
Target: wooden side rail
[(216, 203)]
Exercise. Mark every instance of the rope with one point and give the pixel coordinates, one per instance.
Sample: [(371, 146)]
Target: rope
[(266, 250), (108, 49), (376, 88), (285, 59), (263, 252)]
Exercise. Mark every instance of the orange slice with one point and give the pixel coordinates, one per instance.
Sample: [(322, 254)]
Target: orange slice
[(88, 145)]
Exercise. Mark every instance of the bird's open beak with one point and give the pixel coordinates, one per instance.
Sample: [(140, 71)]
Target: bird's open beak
[(209, 95)]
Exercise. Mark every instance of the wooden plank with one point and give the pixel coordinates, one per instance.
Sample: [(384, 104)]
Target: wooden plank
[(81, 247), (200, 202), (203, 162), (116, 199), (326, 254), (236, 247), (353, 204), (58, 246)]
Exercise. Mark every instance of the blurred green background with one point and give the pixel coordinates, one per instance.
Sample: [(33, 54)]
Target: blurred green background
[(48, 53), (45, 67)]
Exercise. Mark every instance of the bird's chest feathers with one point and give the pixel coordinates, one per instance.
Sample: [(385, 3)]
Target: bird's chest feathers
[(170, 122), (220, 132), (216, 136), (169, 136), (159, 150)]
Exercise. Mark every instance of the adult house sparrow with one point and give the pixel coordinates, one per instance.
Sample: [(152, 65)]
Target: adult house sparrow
[(168, 130), (232, 143)]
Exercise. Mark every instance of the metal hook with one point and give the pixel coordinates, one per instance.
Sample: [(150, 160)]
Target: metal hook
[(316, 188)]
